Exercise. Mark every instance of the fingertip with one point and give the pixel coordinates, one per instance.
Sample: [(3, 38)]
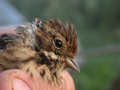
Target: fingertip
[(20, 85), (15, 80)]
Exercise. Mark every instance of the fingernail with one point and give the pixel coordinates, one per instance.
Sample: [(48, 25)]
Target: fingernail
[(20, 85)]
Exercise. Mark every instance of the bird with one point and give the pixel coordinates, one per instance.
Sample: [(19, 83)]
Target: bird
[(45, 47)]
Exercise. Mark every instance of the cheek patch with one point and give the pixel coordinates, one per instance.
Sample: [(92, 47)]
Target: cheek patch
[(51, 55)]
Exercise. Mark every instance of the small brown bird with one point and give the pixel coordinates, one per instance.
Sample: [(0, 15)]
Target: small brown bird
[(43, 47)]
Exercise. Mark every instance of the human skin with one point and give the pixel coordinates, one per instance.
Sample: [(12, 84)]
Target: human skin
[(19, 80)]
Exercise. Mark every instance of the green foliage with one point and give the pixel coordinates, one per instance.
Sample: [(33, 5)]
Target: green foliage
[(98, 72)]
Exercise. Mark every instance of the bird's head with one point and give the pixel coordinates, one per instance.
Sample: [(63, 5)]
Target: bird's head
[(56, 43)]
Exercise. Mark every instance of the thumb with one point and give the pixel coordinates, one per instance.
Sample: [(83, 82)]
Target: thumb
[(15, 80), (20, 85)]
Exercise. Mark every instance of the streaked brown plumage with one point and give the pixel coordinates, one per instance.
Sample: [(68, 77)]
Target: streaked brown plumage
[(44, 47)]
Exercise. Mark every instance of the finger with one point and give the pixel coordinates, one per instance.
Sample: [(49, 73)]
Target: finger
[(11, 30), (15, 80), (20, 84)]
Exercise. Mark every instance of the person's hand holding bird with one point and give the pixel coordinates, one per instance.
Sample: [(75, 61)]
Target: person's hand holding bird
[(42, 49)]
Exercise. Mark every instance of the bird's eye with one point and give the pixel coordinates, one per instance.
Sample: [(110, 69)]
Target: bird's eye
[(58, 43)]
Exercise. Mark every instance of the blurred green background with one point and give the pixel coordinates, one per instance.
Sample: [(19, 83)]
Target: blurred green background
[(98, 25)]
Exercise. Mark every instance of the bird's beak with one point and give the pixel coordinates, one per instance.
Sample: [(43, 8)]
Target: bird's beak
[(71, 64)]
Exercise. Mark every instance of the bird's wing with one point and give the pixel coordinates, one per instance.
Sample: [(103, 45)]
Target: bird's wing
[(6, 39)]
